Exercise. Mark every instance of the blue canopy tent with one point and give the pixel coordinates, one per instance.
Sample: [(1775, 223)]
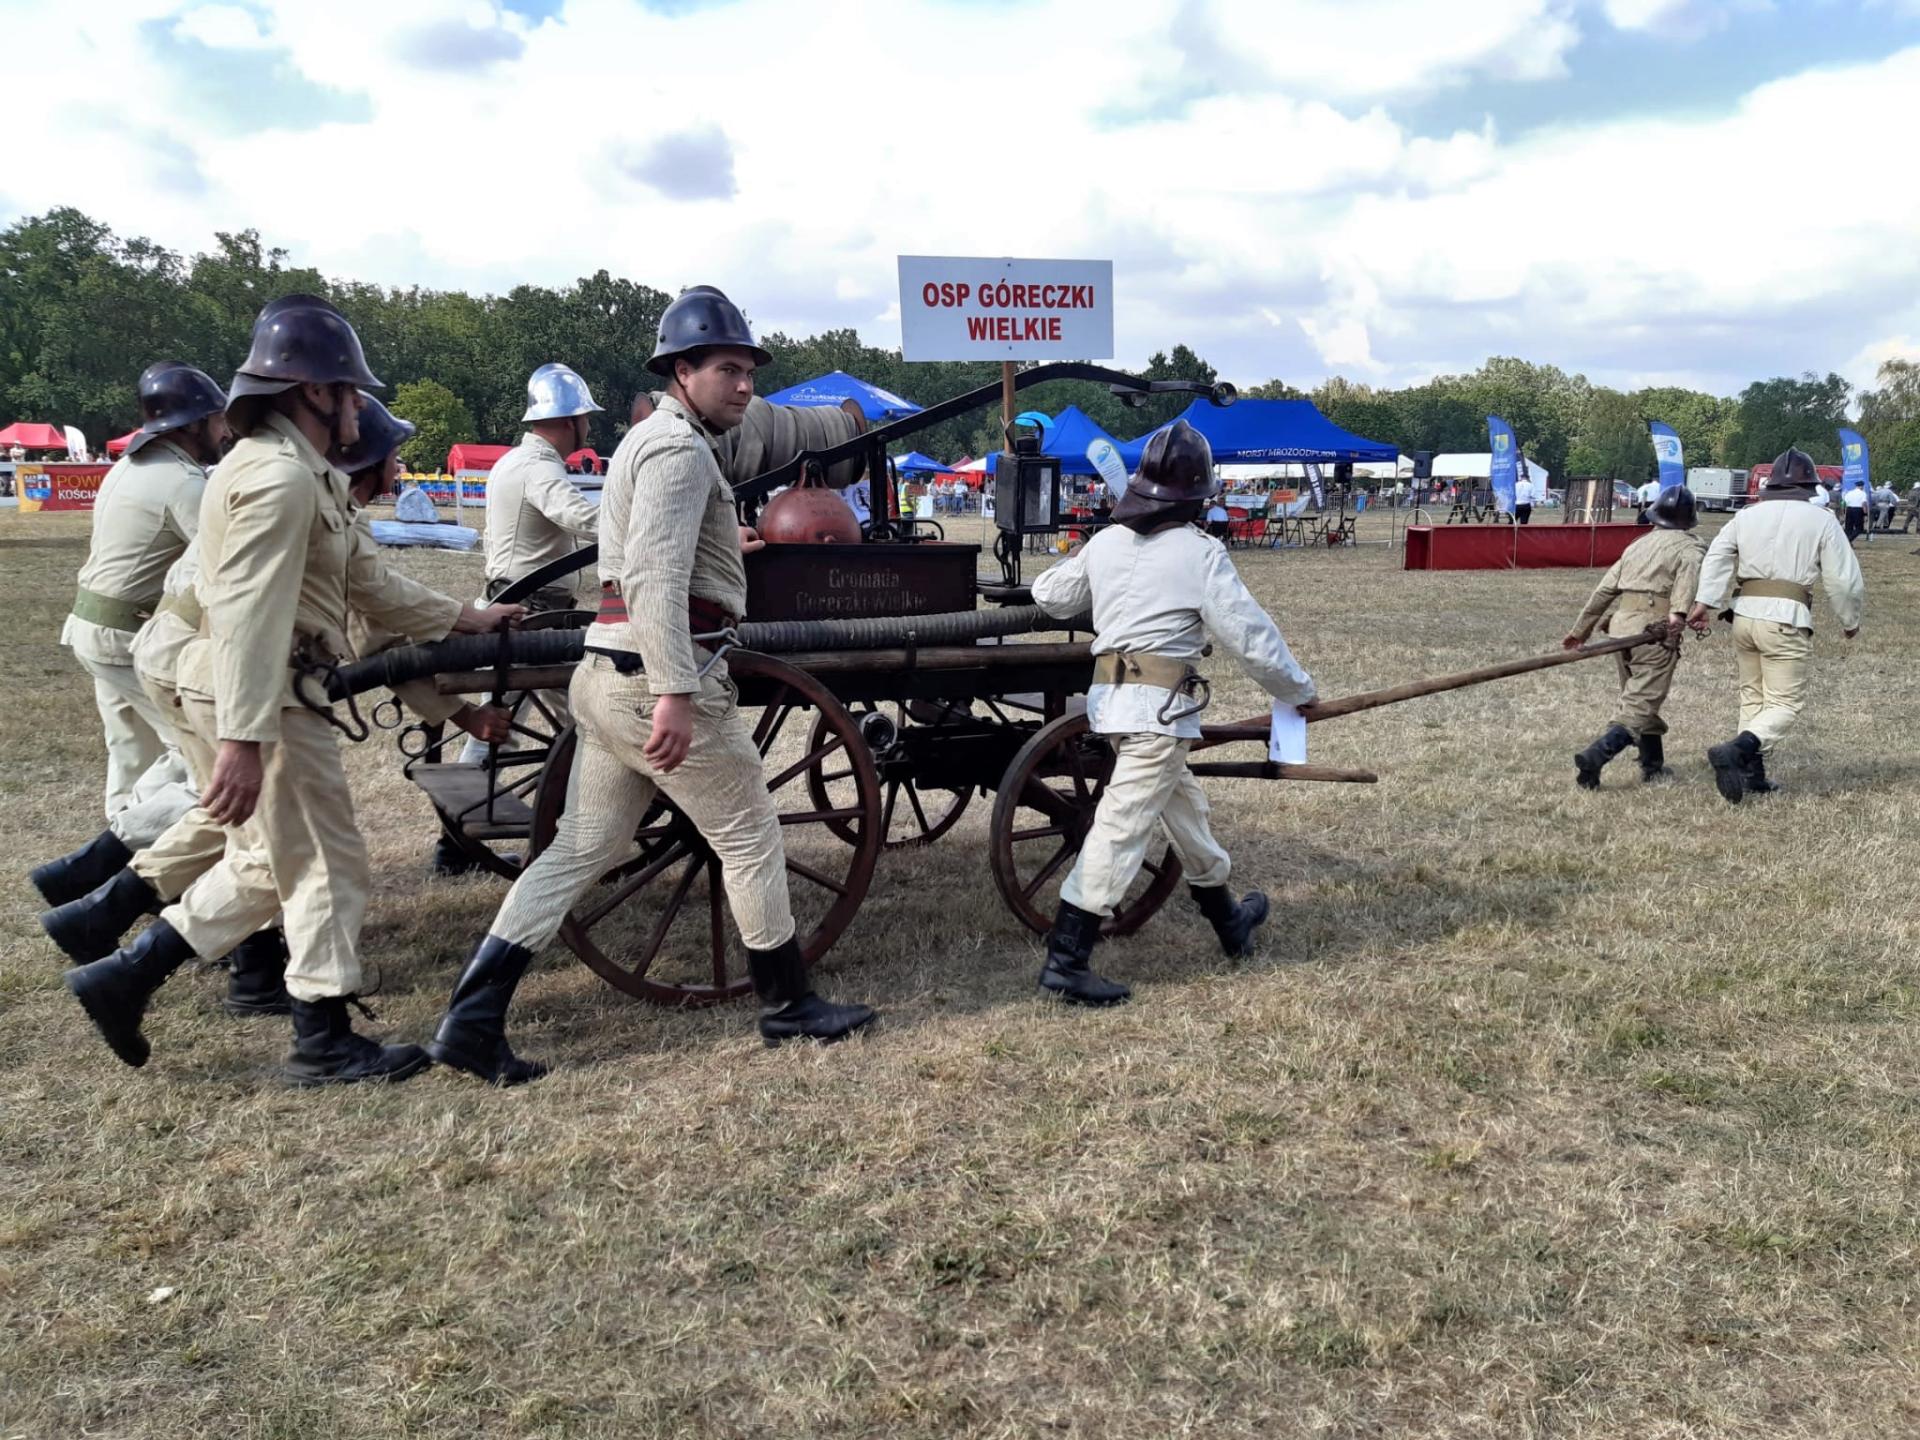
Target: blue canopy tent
[(1283, 431), (914, 463), (1069, 436), (837, 386)]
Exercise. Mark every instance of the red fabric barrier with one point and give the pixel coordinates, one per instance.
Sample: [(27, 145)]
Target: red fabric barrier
[(1516, 547)]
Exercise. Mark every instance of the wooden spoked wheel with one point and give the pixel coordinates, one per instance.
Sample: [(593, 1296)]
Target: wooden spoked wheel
[(911, 814), (1041, 815), (657, 926)]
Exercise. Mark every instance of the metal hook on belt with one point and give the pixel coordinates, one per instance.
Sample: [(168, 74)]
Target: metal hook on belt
[(307, 666), (1198, 691), (729, 640)]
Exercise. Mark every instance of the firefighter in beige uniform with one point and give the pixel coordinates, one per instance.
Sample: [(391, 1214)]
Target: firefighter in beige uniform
[(1157, 588), (1767, 559), (146, 513), (90, 928), (1653, 583), (655, 712), (275, 556), (535, 513)]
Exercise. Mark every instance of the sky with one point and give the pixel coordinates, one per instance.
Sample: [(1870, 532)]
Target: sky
[(1693, 192)]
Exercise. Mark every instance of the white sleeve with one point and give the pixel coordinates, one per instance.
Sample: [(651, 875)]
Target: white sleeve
[(1246, 632), (1840, 576), (1716, 571), (1062, 590)]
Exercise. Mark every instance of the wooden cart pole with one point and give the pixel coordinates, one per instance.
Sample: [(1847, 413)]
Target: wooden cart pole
[(1257, 727)]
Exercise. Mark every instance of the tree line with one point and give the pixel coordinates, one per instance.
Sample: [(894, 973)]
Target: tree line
[(83, 310)]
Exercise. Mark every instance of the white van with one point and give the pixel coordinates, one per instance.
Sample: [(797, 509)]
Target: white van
[(1716, 488)]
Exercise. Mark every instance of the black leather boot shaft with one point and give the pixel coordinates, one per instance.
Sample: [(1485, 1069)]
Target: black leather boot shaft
[(90, 928), (1653, 759), (473, 1033), (326, 1051), (1233, 921), (87, 868), (114, 991), (789, 1008), (1730, 760), (257, 975), (1067, 972), (450, 859), (1757, 781), (1588, 764)]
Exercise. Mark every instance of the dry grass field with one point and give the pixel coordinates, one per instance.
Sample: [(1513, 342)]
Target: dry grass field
[(1538, 1113)]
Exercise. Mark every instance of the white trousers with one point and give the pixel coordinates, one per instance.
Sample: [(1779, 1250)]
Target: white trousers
[(138, 735), (1151, 791), (721, 786)]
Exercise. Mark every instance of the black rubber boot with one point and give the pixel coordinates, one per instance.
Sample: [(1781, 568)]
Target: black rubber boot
[(257, 975), (450, 859), (1069, 947), (1653, 760), (1588, 763), (1757, 781), (90, 928), (473, 1034), (114, 991), (1233, 922), (326, 1051), (789, 1009), (1730, 760), (87, 868)]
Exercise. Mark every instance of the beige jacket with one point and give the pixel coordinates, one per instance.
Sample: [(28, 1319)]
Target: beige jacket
[(146, 514), (668, 530), (1665, 563), (535, 513), (387, 607), (158, 646), (279, 559), (1783, 540)]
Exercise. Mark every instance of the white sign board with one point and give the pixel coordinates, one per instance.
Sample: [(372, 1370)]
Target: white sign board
[(955, 308)]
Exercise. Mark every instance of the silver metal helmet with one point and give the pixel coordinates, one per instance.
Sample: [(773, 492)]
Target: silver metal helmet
[(556, 392)]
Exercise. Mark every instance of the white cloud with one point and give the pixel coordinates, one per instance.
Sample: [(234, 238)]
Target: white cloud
[(1278, 211), (1679, 19), (224, 27)]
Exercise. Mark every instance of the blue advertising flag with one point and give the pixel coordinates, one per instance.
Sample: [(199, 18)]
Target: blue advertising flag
[(1666, 449), (1853, 461), (1503, 466)]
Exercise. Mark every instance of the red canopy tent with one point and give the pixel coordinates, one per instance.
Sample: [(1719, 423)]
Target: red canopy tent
[(30, 436), (118, 445), (484, 457)]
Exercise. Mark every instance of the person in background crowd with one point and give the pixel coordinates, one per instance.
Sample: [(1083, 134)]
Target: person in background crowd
[(1522, 498), (1821, 496), (1653, 583), (1885, 501), (1643, 498), (1763, 565), (145, 516), (1157, 589), (658, 713), (1219, 522), (1853, 503)]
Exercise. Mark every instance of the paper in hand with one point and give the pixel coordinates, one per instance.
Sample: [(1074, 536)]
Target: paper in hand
[(1287, 740)]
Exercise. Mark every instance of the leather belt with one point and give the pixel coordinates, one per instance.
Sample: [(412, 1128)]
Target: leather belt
[(703, 616), (1773, 590), (115, 614), (1118, 667)]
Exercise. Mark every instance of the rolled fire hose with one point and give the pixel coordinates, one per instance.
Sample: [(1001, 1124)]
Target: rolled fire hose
[(530, 649)]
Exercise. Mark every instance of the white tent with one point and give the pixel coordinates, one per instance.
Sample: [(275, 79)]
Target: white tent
[(1478, 466)]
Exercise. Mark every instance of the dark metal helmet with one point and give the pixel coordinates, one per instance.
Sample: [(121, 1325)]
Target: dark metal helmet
[(381, 433), (1674, 510), (1793, 469), (172, 397), (701, 316), (302, 340), (1176, 465)]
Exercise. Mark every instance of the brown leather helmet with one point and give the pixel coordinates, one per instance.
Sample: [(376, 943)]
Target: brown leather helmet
[(1176, 465), (1793, 470)]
